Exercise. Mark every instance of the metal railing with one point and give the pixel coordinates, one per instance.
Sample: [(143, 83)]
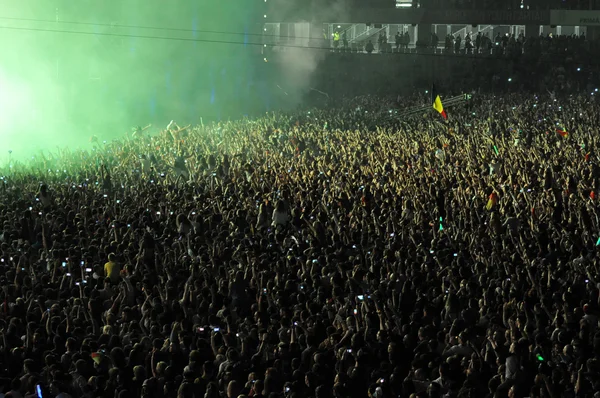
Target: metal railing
[(368, 34)]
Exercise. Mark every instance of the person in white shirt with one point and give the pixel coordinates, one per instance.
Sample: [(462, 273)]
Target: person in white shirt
[(461, 349), (443, 381)]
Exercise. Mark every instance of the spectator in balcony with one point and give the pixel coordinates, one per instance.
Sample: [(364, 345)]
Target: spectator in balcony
[(457, 42), (345, 39), (406, 41), (398, 38), (468, 43), (478, 40), (434, 40), (487, 43), (497, 40), (382, 41), (448, 43)]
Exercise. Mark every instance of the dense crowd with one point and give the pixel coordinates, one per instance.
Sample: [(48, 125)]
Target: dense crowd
[(513, 5), (331, 253)]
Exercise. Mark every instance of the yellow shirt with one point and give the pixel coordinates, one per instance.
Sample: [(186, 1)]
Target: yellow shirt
[(112, 271)]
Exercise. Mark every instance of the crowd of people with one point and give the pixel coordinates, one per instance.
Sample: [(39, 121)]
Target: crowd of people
[(513, 5), (514, 45), (475, 43), (339, 252)]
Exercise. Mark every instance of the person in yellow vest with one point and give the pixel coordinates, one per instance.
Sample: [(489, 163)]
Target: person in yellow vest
[(112, 269), (336, 40)]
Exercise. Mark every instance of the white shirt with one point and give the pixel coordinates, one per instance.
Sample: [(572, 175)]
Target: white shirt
[(512, 367), (462, 350)]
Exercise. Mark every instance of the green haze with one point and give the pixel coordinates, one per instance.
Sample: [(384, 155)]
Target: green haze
[(58, 88)]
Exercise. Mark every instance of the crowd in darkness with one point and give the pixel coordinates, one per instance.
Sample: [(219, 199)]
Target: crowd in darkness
[(332, 252), (512, 4)]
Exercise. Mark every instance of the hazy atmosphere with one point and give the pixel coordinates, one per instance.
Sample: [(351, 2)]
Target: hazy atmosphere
[(69, 70)]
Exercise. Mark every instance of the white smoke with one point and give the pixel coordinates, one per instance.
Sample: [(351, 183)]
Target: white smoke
[(301, 54)]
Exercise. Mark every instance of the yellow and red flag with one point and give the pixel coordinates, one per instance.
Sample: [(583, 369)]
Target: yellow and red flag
[(437, 102), (492, 200)]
